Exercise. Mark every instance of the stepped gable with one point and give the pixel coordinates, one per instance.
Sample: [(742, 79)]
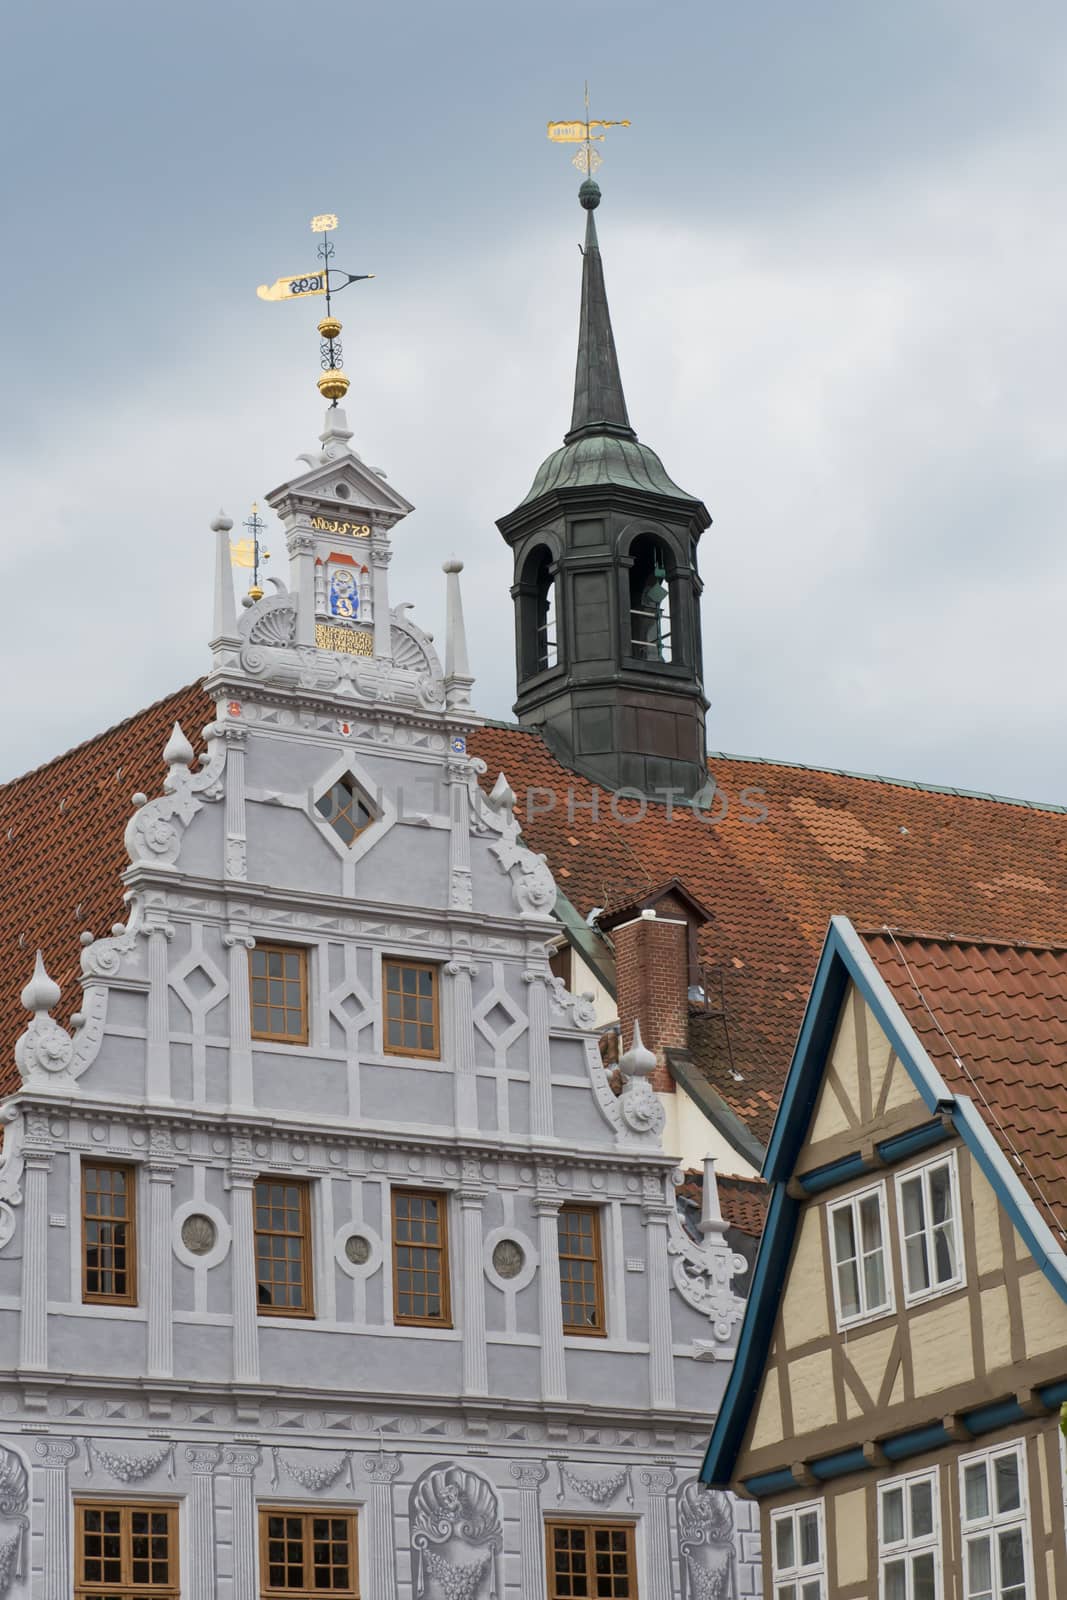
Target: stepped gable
[(874, 849), (993, 1019)]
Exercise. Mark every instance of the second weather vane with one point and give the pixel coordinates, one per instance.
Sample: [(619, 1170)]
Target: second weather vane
[(333, 384), (587, 159)]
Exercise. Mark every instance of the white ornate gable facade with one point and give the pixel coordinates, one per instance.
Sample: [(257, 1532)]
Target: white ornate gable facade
[(153, 1367)]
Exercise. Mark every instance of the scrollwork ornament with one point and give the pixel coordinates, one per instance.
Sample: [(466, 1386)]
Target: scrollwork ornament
[(702, 1274), (11, 1168)]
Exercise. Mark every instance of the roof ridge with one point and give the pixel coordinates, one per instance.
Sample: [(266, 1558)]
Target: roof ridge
[(896, 783), (961, 939), (115, 727)]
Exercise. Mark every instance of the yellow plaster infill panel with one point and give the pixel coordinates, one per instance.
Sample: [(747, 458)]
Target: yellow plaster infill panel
[(830, 1118), (1044, 1315), (767, 1428), (850, 1515), (902, 1092), (942, 1354), (985, 1220), (996, 1328), (868, 1356), (811, 1390), (879, 1054), (803, 1315), (896, 1393)]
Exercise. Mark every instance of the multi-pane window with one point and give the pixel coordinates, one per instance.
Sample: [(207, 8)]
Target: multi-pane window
[(929, 1229), (305, 1554), (995, 1519), (109, 1251), (858, 1233), (420, 1258), (283, 1248), (410, 1009), (581, 1271), (591, 1559), (346, 808), (797, 1557), (125, 1551), (279, 993), (909, 1538)]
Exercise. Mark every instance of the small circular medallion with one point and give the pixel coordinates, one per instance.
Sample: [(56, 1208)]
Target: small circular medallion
[(509, 1258), (199, 1234), (357, 1249)]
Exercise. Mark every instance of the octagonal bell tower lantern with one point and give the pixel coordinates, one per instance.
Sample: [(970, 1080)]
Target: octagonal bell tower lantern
[(606, 586)]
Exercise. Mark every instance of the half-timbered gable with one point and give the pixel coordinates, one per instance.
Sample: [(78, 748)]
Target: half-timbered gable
[(904, 1355)]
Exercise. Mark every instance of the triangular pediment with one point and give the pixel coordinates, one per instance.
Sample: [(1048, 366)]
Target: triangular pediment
[(340, 487)]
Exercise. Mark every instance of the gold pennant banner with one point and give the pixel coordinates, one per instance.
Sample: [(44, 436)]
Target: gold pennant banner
[(292, 288), (242, 553)]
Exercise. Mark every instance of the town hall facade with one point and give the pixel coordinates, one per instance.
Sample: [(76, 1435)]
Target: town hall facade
[(331, 1261)]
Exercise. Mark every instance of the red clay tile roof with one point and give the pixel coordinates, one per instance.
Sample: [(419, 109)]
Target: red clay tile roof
[(870, 848), (828, 843), (743, 1201), (993, 1019)]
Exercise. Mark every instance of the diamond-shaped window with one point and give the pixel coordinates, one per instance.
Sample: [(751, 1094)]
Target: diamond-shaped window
[(347, 809)]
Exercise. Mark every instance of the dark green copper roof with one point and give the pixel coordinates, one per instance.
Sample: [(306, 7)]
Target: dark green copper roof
[(601, 448), (604, 459)]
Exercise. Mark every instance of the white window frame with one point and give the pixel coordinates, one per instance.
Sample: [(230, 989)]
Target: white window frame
[(921, 1171), (797, 1575), (997, 1522), (852, 1202), (911, 1545)]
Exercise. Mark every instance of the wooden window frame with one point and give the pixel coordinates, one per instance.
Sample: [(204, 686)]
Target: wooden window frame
[(419, 966), (591, 1525), (445, 1319), (800, 1573), (582, 1330), (269, 947), (851, 1203), (130, 1296), (306, 1514), (996, 1522), (910, 1545), (303, 1185), (128, 1590), (920, 1173)]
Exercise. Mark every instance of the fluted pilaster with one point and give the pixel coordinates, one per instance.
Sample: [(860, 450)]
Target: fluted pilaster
[(382, 1470), (530, 1475)]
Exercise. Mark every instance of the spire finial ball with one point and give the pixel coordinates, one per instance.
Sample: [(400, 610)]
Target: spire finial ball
[(333, 385), (329, 327), (222, 523), (589, 194)]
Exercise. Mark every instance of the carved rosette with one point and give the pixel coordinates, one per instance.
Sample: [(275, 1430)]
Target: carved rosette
[(456, 1535), (641, 1108)]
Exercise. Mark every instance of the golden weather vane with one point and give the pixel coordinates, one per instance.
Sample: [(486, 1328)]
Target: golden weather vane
[(333, 385), (250, 552), (586, 159)]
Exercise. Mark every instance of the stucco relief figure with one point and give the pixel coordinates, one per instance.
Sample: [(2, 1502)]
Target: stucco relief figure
[(706, 1543), (455, 1535), (14, 1523)]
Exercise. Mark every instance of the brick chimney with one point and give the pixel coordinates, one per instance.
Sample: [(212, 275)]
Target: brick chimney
[(652, 983)]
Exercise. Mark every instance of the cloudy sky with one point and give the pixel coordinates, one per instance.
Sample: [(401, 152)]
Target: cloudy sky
[(835, 240)]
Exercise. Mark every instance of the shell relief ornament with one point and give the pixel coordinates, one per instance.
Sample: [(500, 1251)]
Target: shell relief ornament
[(706, 1543), (14, 1518), (456, 1535)]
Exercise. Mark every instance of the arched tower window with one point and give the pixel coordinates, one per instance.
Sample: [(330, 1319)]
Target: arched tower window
[(650, 601), (540, 639), (547, 648)]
